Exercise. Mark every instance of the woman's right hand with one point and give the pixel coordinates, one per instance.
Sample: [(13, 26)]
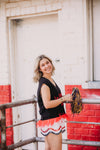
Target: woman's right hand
[(67, 97)]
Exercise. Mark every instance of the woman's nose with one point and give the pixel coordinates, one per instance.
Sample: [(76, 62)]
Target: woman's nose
[(46, 65)]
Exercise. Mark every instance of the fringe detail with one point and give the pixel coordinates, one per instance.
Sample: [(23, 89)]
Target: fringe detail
[(42, 123)]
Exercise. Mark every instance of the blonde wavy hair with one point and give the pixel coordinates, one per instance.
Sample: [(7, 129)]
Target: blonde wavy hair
[(37, 73)]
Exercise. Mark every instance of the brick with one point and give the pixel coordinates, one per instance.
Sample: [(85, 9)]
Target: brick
[(9, 140), (87, 132), (1, 92), (74, 125), (74, 136), (75, 147), (54, 6), (96, 107), (48, 7), (95, 132), (11, 5), (8, 120), (37, 2), (87, 126), (70, 148), (97, 138), (1, 87), (87, 106), (89, 113), (68, 112), (85, 137), (93, 138), (90, 148), (91, 106), (41, 9), (70, 130), (8, 112), (98, 119), (5, 97), (70, 136), (97, 126), (77, 137), (9, 133), (81, 131), (17, 11), (97, 112), (6, 93), (93, 119), (68, 107), (79, 118), (85, 93), (6, 87), (51, 1), (13, 12), (8, 12), (24, 3)]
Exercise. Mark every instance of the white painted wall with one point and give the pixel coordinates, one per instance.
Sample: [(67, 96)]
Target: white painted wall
[(4, 54), (72, 30)]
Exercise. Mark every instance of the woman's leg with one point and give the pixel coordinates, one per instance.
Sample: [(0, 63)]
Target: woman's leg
[(54, 141), (47, 147)]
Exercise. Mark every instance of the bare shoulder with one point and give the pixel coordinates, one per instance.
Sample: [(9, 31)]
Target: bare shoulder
[(45, 92), (44, 87)]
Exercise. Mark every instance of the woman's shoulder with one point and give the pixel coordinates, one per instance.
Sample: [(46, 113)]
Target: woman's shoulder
[(43, 81)]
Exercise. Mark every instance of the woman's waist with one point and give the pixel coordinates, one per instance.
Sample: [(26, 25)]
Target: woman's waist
[(49, 115)]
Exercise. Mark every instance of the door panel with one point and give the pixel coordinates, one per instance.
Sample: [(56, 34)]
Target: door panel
[(34, 36)]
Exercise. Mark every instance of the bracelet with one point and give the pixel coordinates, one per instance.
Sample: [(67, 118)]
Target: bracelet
[(61, 99)]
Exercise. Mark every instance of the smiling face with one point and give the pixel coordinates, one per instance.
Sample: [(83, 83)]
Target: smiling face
[(46, 66)]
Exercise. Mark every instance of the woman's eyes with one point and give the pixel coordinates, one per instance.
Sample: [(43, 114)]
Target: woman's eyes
[(45, 63)]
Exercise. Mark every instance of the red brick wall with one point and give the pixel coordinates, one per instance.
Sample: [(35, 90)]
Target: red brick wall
[(90, 113), (5, 97)]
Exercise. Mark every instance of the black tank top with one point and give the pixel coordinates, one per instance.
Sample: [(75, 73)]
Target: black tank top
[(55, 94)]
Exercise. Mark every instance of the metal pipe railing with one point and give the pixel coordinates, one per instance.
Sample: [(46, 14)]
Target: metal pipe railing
[(91, 101), (73, 142), (21, 143), (3, 108), (18, 103)]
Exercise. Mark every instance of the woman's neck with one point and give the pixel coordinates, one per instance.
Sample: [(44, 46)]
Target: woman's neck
[(47, 76)]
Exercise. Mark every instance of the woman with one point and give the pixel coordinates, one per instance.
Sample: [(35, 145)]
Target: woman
[(50, 102)]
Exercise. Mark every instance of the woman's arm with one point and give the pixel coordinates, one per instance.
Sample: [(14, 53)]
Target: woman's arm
[(45, 93)]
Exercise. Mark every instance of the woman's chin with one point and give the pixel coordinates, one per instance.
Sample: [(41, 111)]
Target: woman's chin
[(49, 73)]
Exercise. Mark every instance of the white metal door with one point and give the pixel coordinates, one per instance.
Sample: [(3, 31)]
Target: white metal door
[(34, 36)]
